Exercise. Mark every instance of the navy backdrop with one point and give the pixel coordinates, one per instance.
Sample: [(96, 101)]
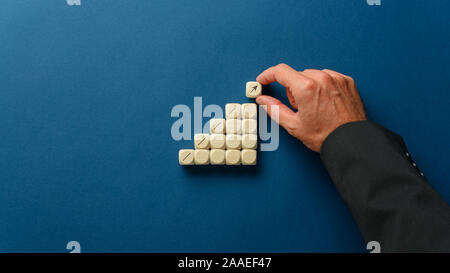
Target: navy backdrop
[(85, 99)]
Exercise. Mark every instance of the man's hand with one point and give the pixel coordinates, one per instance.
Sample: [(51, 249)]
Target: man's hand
[(324, 100)]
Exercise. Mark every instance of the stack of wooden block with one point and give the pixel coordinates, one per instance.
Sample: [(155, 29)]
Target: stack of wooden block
[(231, 141)]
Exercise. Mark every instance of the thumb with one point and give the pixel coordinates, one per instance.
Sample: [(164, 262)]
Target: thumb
[(277, 111)]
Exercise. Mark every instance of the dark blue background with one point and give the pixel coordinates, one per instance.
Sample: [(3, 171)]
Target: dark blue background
[(86, 94)]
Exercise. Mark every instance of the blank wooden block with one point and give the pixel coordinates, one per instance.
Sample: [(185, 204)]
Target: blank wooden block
[(253, 89), (217, 157), (233, 110), (249, 111), (186, 157), (201, 157), (249, 126), (249, 141), (234, 126), (233, 157), (248, 157), (201, 141), (217, 141), (217, 126), (233, 142)]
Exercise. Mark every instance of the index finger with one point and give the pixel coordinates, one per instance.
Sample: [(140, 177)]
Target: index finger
[(282, 73)]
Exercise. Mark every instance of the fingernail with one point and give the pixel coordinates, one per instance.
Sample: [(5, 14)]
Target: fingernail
[(259, 100)]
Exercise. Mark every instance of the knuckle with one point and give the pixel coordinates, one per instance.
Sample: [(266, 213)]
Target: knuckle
[(341, 81), (310, 84), (324, 77), (282, 65), (350, 80)]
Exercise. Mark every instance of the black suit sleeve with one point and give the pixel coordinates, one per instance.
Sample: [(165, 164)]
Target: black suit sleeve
[(388, 196)]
